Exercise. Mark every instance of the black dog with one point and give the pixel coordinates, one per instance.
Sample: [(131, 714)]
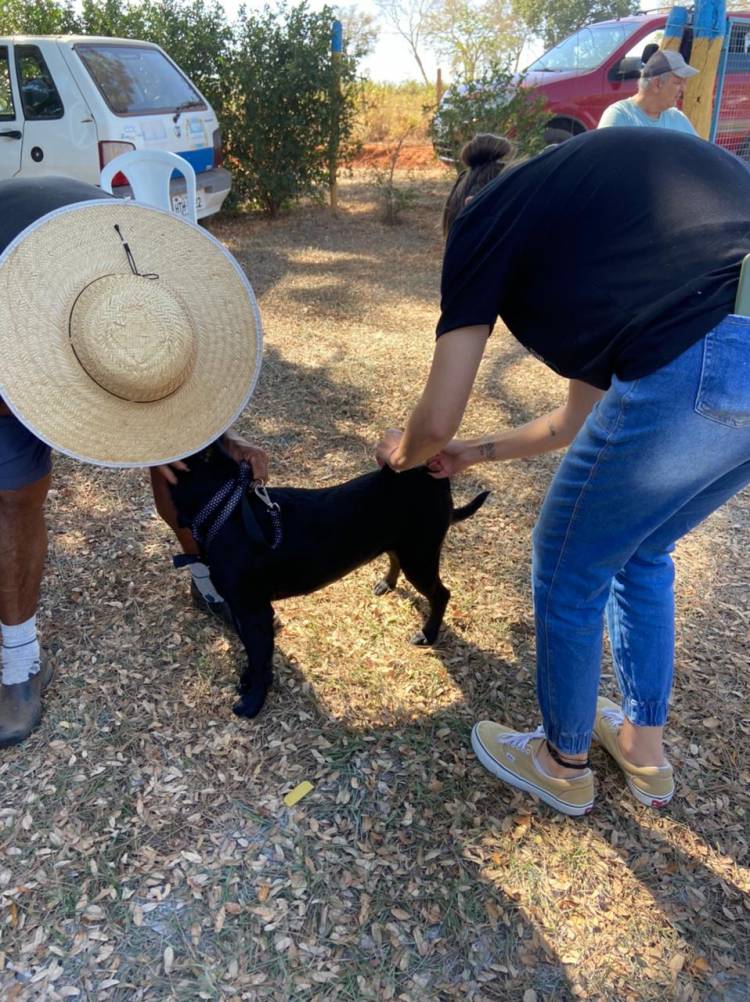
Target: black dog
[(296, 541)]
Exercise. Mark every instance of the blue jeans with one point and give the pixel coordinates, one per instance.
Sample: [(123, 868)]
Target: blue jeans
[(654, 458)]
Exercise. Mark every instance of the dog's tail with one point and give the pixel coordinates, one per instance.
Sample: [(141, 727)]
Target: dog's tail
[(459, 514)]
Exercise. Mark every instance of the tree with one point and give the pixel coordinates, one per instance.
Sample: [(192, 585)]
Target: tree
[(38, 17), (287, 102), (360, 30), (553, 22), (473, 35), (409, 18)]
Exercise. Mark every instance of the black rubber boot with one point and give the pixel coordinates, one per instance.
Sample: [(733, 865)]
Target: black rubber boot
[(21, 706)]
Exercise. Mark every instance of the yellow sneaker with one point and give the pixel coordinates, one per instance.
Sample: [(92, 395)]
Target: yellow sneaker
[(511, 757), (652, 785)]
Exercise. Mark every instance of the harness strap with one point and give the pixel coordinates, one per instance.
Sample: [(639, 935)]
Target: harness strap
[(221, 506)]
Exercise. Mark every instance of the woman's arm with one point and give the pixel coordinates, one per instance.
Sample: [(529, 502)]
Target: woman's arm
[(437, 415), (554, 430)]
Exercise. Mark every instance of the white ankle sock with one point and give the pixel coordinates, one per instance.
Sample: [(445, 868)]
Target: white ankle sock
[(20, 654), (204, 584)]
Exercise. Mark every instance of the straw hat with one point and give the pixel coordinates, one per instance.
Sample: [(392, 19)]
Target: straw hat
[(128, 336)]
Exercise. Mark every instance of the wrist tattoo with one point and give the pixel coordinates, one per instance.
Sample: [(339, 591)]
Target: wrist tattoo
[(551, 429), (487, 450)]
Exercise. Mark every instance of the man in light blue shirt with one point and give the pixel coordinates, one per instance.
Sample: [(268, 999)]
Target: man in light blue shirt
[(659, 88)]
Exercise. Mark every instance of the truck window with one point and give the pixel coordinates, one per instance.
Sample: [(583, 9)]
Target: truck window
[(138, 81), (39, 95), (586, 49), (7, 108)]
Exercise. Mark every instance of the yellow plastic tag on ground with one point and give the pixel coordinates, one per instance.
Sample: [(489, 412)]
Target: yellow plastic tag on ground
[(301, 790)]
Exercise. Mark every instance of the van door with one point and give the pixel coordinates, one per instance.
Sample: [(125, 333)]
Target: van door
[(11, 123), (59, 135)]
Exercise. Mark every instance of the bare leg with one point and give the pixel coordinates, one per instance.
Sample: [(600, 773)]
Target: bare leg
[(642, 745), (23, 549), (166, 509)]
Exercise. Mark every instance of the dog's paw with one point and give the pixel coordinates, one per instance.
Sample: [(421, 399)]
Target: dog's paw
[(250, 704), (419, 639), (381, 587)]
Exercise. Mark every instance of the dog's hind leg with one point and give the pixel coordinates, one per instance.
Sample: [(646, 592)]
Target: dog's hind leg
[(255, 627), (423, 572), (388, 582)]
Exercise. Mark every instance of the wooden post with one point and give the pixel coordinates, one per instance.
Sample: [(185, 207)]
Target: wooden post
[(439, 88), (673, 29), (337, 45), (709, 26)]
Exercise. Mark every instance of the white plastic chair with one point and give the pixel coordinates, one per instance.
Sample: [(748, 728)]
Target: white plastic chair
[(149, 173)]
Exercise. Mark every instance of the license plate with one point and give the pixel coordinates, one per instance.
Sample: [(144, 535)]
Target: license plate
[(179, 202)]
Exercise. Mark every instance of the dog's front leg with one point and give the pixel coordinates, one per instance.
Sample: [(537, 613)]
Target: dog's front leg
[(255, 627)]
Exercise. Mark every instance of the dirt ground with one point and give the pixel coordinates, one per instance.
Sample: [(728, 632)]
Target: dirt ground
[(410, 157), (145, 849)]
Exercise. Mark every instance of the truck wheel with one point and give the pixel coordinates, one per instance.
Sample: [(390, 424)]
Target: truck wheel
[(554, 136)]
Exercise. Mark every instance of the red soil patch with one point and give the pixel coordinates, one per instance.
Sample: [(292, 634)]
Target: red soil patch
[(409, 158)]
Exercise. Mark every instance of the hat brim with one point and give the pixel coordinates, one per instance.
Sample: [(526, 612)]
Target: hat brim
[(44, 270), (686, 71)]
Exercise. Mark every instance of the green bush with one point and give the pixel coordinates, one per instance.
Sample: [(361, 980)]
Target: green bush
[(285, 112), (496, 102)]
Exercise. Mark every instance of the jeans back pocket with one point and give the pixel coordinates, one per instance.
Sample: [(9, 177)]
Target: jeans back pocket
[(724, 389)]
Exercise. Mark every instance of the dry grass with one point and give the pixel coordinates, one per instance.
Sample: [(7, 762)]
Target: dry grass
[(145, 851)]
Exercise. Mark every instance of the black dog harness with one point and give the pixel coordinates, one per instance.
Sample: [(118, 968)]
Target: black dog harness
[(216, 512)]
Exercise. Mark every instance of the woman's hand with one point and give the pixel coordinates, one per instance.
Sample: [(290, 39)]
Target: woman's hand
[(243, 451), (387, 446), (454, 458)]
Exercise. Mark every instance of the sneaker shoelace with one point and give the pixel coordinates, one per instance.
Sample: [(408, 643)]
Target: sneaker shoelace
[(615, 718), (520, 741)]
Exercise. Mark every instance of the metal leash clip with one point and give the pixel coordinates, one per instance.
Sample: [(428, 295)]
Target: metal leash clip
[(260, 492), (274, 512)]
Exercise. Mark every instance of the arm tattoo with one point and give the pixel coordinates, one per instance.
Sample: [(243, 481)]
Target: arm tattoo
[(551, 428), (487, 450)]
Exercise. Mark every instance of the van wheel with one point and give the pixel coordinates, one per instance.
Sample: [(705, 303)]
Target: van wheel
[(554, 136)]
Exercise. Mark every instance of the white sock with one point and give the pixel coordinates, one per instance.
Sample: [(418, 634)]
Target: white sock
[(20, 654), (204, 584)]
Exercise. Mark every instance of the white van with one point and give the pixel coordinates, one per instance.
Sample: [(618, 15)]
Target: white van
[(71, 103)]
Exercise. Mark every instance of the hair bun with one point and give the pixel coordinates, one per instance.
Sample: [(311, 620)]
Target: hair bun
[(485, 148)]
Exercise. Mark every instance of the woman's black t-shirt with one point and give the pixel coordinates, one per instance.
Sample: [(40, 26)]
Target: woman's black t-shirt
[(609, 254)]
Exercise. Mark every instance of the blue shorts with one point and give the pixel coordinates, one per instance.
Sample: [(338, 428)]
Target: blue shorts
[(23, 458)]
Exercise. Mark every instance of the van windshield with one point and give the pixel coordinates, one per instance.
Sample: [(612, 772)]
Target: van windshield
[(137, 81), (585, 50)]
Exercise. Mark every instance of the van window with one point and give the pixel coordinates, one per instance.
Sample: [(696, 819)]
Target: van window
[(586, 49), (653, 38), (135, 81), (7, 108), (39, 95)]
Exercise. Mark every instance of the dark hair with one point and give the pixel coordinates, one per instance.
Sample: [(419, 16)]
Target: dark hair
[(485, 157)]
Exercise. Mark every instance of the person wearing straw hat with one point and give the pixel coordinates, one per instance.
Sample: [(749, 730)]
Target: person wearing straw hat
[(128, 338), (660, 87)]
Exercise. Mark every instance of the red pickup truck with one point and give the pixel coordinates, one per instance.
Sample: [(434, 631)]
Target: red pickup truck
[(601, 63)]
